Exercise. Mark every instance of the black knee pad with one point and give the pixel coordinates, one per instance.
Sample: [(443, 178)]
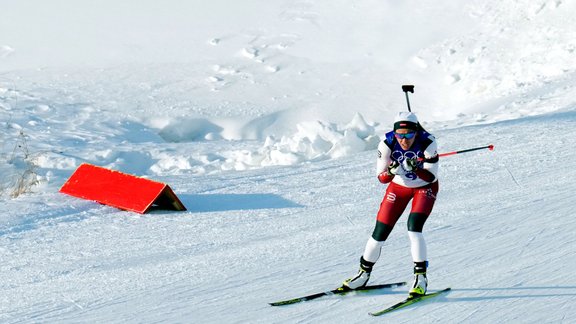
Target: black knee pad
[(381, 231), (416, 222)]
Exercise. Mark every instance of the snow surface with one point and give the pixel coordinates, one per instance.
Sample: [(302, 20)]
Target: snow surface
[(264, 116)]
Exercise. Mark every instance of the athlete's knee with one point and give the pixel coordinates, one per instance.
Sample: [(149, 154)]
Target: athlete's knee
[(416, 222), (381, 231)]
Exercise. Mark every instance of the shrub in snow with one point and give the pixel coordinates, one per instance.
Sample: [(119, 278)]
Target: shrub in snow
[(18, 170)]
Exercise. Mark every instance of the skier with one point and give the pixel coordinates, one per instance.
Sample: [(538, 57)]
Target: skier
[(408, 163)]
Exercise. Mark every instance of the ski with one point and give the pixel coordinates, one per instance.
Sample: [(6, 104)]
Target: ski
[(408, 301), (338, 291)]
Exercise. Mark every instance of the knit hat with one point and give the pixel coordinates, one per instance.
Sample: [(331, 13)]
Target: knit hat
[(405, 119)]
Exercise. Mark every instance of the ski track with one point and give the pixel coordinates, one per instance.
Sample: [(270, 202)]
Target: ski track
[(502, 247)]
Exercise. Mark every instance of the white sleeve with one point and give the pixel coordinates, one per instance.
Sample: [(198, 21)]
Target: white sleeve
[(431, 152), (383, 157)]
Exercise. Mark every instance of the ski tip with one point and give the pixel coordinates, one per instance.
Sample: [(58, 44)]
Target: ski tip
[(437, 292), (410, 300)]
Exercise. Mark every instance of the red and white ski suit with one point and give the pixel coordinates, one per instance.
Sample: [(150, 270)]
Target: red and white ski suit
[(420, 187)]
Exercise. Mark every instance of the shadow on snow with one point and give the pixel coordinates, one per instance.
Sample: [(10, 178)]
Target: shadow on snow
[(562, 291), (229, 202)]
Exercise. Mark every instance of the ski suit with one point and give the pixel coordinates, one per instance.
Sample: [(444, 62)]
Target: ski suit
[(421, 187)]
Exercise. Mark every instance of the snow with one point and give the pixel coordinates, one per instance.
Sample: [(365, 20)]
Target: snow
[(264, 118)]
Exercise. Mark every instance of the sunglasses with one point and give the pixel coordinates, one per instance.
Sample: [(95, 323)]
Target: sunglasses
[(406, 136)]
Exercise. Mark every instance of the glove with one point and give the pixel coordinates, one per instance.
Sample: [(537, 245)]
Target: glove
[(385, 177), (393, 168), (410, 165)]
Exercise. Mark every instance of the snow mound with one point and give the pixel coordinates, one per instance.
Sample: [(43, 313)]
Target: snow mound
[(190, 130), (313, 141)]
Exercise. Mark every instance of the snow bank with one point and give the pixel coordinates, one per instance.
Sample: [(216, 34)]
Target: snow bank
[(36, 139), (314, 141), (193, 129)]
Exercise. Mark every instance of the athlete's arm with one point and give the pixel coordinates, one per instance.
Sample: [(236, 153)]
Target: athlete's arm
[(429, 170), (382, 163)]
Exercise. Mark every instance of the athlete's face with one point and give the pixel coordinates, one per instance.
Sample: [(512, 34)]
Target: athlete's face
[(402, 135)]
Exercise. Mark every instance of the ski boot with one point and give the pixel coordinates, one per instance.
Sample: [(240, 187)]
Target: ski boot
[(420, 281), (361, 278)]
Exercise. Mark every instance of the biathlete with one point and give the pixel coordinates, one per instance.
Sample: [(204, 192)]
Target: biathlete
[(408, 163)]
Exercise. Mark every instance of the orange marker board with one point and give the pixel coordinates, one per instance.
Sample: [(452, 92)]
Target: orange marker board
[(120, 190)]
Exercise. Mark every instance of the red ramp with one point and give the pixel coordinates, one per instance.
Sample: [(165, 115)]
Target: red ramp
[(120, 190)]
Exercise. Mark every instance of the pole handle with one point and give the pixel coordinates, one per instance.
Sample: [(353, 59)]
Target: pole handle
[(408, 88)]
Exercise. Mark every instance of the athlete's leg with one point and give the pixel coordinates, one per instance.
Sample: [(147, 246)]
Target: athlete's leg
[(422, 205), (393, 204), (395, 201)]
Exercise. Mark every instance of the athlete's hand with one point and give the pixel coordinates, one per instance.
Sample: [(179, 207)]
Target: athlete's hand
[(393, 168), (384, 177), (410, 165)]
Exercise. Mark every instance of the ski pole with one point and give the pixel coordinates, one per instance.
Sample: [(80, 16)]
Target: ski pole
[(408, 88), (490, 147)]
